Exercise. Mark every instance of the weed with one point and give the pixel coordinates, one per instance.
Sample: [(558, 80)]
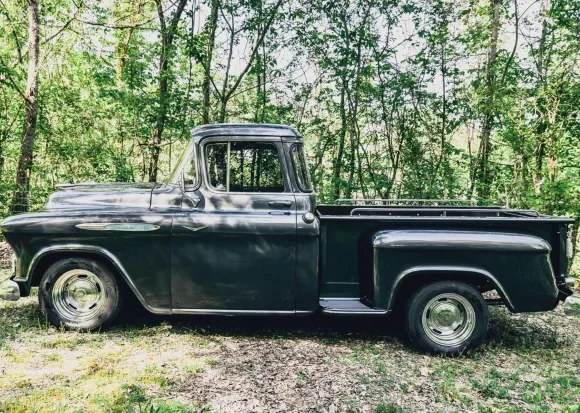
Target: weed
[(384, 407)]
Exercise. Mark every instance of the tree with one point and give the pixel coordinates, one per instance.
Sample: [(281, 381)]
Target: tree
[(481, 171), (167, 32), (21, 201)]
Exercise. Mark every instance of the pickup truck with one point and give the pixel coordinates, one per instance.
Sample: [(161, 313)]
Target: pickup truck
[(235, 230)]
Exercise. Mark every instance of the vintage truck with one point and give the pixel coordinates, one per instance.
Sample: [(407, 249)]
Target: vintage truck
[(235, 230)]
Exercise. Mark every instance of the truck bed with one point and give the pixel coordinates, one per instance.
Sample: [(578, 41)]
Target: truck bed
[(350, 228)]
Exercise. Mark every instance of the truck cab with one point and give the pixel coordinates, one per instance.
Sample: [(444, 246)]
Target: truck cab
[(245, 238)]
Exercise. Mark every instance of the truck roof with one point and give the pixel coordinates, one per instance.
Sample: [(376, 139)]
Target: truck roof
[(244, 129)]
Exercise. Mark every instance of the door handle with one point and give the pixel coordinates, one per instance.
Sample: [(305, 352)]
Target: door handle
[(280, 203)]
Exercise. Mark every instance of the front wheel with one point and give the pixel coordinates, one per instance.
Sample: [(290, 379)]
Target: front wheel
[(79, 294), (447, 318)]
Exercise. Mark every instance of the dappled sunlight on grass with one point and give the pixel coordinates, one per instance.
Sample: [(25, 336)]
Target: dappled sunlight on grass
[(243, 364)]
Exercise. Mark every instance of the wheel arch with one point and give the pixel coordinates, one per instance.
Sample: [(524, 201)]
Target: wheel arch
[(48, 256), (409, 280)]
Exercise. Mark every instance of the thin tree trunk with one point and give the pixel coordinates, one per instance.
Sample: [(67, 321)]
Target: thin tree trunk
[(337, 165), (542, 122), (443, 116), (167, 36), (264, 78), (21, 200), (258, 88), (485, 141), (259, 73), (223, 94), (206, 86)]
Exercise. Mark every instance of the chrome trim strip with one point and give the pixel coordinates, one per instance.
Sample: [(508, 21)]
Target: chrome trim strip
[(118, 226), (98, 250), (356, 312), (304, 312), (339, 299), (211, 311), (463, 240)]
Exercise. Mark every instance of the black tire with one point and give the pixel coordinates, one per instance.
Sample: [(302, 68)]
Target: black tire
[(87, 284), (458, 302)]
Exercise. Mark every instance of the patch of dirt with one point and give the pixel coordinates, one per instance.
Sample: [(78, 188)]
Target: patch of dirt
[(5, 254), (281, 376), (355, 367)]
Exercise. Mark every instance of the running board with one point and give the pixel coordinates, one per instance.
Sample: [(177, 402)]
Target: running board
[(348, 306)]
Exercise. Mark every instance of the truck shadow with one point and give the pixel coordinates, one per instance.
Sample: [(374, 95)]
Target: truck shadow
[(518, 333), (506, 331), (316, 326)]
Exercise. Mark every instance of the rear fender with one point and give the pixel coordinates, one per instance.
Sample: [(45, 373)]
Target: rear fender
[(415, 276), (517, 265)]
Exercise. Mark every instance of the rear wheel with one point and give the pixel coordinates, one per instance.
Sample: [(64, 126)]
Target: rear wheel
[(446, 317), (79, 294)]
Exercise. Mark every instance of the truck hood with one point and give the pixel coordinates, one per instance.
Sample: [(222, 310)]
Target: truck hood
[(93, 196)]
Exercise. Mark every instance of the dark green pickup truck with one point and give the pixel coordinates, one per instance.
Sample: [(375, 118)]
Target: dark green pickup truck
[(235, 230)]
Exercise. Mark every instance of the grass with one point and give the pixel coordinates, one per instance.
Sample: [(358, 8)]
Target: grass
[(161, 364)]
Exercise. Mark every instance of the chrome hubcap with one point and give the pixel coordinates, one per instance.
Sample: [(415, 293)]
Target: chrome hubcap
[(78, 296), (448, 319)]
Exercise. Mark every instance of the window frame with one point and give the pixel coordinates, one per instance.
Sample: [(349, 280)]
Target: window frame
[(275, 141), (189, 154), (295, 169)]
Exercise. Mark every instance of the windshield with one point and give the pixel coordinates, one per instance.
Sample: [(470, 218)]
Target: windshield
[(184, 157), (301, 168)]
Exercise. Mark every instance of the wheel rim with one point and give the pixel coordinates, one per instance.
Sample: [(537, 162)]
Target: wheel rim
[(78, 296), (448, 319)]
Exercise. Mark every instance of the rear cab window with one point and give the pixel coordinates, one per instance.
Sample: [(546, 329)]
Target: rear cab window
[(301, 168)]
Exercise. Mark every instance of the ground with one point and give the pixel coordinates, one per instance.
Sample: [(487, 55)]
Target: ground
[(148, 363)]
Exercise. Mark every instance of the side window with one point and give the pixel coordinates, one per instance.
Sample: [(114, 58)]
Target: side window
[(244, 167)]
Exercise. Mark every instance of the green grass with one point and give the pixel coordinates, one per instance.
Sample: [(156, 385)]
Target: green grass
[(529, 362), (384, 407)]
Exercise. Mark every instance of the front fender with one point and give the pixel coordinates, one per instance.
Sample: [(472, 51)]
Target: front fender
[(24, 279)]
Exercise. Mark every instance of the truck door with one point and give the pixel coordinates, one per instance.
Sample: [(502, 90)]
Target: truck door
[(235, 251)]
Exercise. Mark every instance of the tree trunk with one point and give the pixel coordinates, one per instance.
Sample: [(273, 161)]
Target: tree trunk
[(167, 36), (485, 141), (542, 129), (224, 96), (337, 165), (206, 86), (227, 92), (258, 88), (21, 200)]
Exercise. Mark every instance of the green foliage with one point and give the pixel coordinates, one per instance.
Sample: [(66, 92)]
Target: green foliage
[(384, 407)]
